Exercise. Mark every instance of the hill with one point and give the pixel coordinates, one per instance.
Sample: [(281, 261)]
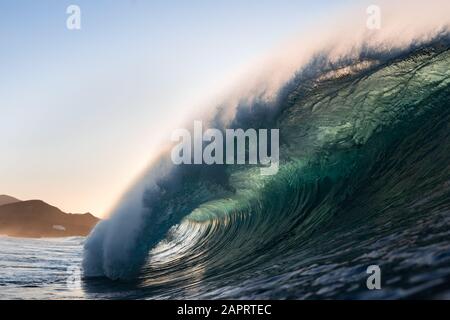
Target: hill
[(35, 219), (4, 199)]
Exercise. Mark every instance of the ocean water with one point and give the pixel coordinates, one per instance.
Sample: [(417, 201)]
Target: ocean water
[(39, 268)]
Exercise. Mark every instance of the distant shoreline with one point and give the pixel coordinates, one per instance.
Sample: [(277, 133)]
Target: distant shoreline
[(37, 219)]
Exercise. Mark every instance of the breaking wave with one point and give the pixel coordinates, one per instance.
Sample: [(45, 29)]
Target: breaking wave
[(364, 178)]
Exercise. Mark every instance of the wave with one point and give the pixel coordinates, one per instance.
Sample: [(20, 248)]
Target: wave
[(363, 135)]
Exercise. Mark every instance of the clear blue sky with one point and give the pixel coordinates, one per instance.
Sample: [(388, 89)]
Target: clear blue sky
[(80, 110)]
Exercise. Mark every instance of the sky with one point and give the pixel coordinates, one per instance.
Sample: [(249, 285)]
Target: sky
[(83, 111)]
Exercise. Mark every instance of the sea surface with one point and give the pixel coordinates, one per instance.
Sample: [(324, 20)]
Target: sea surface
[(39, 268)]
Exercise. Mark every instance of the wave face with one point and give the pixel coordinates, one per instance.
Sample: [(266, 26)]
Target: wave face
[(364, 179)]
